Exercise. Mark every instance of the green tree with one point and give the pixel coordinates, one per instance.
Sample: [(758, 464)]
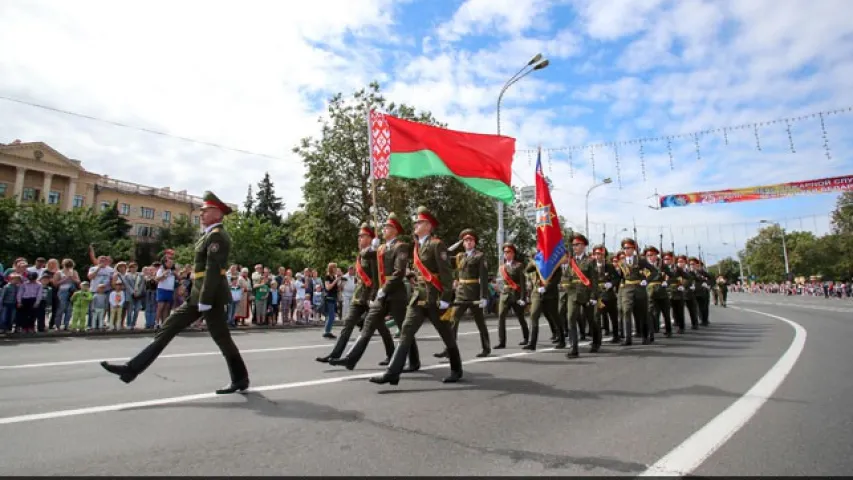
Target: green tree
[(268, 205), (727, 267), (842, 216), (180, 232), (253, 239), (249, 203), (113, 224), (338, 195), (519, 230)]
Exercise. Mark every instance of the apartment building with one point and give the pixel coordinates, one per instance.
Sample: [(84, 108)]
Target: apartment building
[(33, 172)]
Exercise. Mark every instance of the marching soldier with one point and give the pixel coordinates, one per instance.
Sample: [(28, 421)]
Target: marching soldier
[(633, 293), (657, 292), (544, 299), (367, 284), (580, 294), (208, 300), (607, 309), (512, 294), (472, 290), (690, 290), (616, 261), (430, 298), (392, 259), (677, 281), (723, 288), (703, 290)]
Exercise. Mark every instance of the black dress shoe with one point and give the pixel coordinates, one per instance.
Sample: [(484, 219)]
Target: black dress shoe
[(440, 354), (500, 346), (341, 362), (484, 353), (572, 354), (594, 349), (123, 371), (234, 387), (452, 378), (412, 368), (529, 346), (560, 345), (385, 378), (325, 359), (523, 343), (385, 362)]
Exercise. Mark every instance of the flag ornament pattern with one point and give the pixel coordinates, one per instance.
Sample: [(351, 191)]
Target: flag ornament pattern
[(550, 248), (380, 145)]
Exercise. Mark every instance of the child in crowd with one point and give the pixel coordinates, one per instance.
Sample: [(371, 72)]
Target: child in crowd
[(100, 304), (318, 303), (29, 298), (46, 304), (116, 303), (9, 300), (299, 301), (262, 292), (286, 291), (80, 301), (272, 311), (236, 296)]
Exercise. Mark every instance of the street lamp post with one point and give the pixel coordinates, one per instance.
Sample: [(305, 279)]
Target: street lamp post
[(586, 205), (540, 63), (739, 262), (784, 247)]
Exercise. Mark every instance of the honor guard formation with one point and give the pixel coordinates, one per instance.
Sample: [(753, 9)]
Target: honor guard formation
[(622, 296)]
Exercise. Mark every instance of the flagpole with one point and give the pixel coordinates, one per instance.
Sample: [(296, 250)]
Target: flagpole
[(372, 172)]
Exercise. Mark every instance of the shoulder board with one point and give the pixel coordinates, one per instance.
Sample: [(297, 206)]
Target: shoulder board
[(216, 230)]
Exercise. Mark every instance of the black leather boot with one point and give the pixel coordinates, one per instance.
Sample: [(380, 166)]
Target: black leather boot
[(392, 374), (455, 366), (123, 371), (239, 376)]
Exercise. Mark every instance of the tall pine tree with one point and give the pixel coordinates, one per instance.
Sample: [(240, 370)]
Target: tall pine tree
[(114, 225), (249, 204), (269, 206)]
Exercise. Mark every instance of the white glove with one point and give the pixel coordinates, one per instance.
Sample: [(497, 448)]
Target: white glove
[(541, 289), (203, 308), (483, 303), (374, 244), (455, 246), (592, 302), (520, 303), (608, 285), (705, 285), (692, 287), (663, 284), (380, 294), (643, 283), (680, 289), (375, 304), (442, 305)]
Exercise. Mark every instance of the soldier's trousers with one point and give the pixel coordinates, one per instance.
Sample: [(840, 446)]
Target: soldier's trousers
[(461, 308), (565, 317), (692, 311), (608, 317), (716, 294), (181, 318), (503, 309), (550, 308), (576, 312), (724, 296), (635, 306), (415, 316), (677, 306), (376, 321), (657, 307), (355, 316), (703, 304)]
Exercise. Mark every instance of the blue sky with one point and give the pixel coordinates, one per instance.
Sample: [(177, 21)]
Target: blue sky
[(256, 77)]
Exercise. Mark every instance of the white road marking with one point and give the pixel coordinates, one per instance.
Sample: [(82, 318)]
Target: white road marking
[(827, 308), (204, 396), (204, 354), (687, 457)]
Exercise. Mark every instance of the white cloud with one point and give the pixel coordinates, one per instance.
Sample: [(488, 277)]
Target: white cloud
[(494, 17)]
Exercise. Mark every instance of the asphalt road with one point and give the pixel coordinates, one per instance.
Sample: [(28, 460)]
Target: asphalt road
[(618, 412)]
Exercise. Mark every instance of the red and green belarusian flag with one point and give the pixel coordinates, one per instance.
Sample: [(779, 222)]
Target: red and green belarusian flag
[(406, 149)]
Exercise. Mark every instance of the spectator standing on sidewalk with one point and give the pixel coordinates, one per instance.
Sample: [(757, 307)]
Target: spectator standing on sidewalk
[(100, 305), (45, 308), (67, 281), (8, 303), (29, 298), (80, 301)]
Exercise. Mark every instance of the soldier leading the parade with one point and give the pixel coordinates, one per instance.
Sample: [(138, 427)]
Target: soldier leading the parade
[(544, 300), (392, 261), (632, 292), (657, 292), (431, 296), (606, 311), (512, 294), (472, 290), (722, 290), (579, 294), (367, 284), (208, 300)]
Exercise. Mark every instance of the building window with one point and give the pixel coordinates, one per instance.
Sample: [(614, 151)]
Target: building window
[(79, 200), (3, 188), (124, 209), (143, 231), (146, 212), (105, 205), (167, 216), (196, 220), (28, 194), (53, 198)]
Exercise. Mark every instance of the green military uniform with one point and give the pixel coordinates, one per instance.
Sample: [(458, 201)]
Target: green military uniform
[(367, 284), (658, 295), (633, 294), (723, 290), (512, 296), (677, 285), (620, 311), (690, 283), (432, 294), (208, 299), (472, 290), (577, 299), (392, 263), (545, 302), (703, 292), (607, 309)]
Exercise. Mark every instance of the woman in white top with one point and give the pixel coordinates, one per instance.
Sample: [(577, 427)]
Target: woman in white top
[(165, 278)]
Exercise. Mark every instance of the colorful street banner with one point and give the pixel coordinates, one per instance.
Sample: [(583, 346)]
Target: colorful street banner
[(823, 185), (550, 248)]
